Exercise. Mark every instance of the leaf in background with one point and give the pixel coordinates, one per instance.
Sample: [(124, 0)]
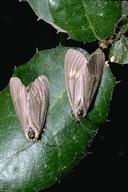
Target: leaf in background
[(83, 20), (119, 50), (26, 167), (125, 7)]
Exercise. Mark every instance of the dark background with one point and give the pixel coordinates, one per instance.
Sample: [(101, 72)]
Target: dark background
[(106, 167)]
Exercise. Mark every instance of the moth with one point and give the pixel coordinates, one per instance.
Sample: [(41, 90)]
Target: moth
[(31, 104), (82, 78)]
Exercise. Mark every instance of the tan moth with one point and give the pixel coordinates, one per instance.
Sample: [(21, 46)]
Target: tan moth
[(31, 104), (82, 78)]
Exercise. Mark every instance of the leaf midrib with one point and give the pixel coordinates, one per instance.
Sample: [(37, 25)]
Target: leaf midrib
[(89, 21)]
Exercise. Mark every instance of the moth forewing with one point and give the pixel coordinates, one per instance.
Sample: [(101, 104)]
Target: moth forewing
[(95, 71), (38, 104), (20, 100), (31, 104), (74, 64), (82, 78)]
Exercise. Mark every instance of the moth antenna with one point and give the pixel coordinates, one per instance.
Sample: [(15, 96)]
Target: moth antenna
[(88, 130), (83, 126), (55, 146)]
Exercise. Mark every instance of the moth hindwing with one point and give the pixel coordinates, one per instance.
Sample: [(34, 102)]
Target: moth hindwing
[(82, 78), (31, 104)]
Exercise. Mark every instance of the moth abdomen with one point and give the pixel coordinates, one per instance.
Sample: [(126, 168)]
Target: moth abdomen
[(80, 114), (31, 133), (82, 111)]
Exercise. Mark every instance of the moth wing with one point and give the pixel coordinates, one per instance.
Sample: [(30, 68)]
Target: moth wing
[(75, 64), (38, 102), (19, 96), (95, 70)]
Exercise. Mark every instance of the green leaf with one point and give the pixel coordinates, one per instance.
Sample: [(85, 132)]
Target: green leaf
[(83, 20), (119, 51), (29, 167)]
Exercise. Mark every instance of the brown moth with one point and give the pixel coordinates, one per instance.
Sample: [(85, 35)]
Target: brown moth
[(82, 78), (31, 104)]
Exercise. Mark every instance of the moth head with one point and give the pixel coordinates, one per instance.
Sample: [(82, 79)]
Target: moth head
[(32, 134), (81, 112)]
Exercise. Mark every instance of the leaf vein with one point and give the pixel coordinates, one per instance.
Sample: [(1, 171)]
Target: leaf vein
[(89, 21)]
